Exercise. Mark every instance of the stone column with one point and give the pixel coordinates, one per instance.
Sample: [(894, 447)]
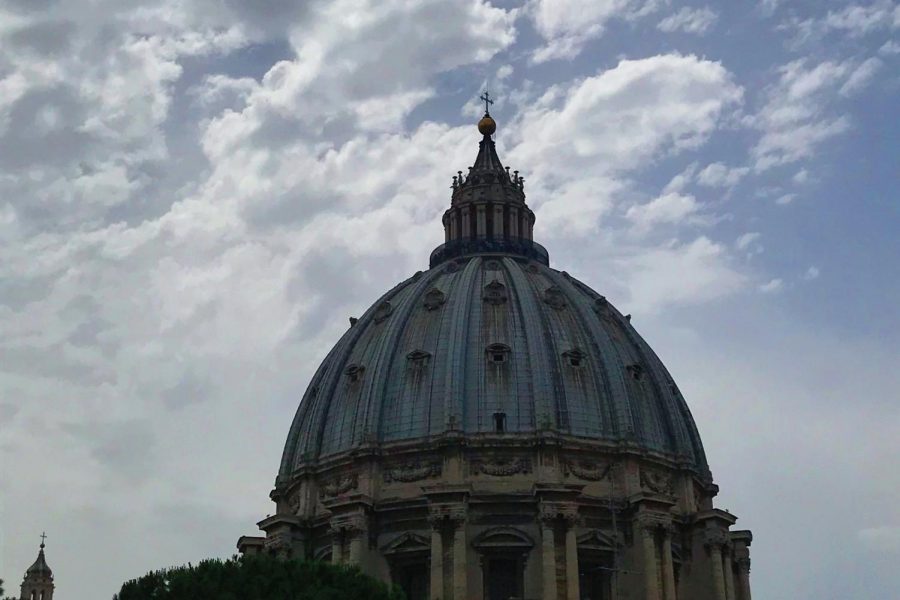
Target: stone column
[(498, 221), (437, 559), (714, 543), (357, 547), (466, 223), (728, 571), (460, 560), (743, 565), (668, 568), (651, 577), (548, 558), (337, 546), (572, 591)]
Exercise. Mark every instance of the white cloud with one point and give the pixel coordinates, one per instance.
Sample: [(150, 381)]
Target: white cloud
[(785, 199), (668, 208), (678, 273), (861, 76), (889, 48), (801, 177), (853, 20), (625, 116), (772, 286), (745, 240), (689, 20), (567, 25), (798, 115), (811, 274), (718, 175), (858, 20), (576, 207)]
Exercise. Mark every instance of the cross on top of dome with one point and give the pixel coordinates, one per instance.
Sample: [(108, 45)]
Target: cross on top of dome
[(487, 100)]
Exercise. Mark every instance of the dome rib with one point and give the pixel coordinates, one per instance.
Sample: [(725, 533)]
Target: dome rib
[(542, 386)]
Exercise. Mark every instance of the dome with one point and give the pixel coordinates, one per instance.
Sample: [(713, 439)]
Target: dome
[(488, 343), (494, 428)]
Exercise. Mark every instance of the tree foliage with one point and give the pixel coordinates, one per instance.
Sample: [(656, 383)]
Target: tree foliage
[(257, 578)]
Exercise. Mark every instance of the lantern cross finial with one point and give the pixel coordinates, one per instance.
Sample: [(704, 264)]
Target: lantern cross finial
[(43, 538), (487, 101)]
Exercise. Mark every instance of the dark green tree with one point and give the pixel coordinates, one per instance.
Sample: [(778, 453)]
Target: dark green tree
[(257, 578)]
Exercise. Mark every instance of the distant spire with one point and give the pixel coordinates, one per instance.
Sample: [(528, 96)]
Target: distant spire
[(38, 580)]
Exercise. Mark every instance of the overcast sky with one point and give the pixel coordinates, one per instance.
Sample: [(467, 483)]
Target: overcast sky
[(195, 195)]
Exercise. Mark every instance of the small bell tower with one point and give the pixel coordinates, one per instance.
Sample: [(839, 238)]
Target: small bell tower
[(38, 582)]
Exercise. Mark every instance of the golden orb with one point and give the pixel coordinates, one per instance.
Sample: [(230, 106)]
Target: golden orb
[(487, 125)]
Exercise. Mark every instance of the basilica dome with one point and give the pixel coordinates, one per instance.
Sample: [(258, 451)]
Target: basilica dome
[(493, 428), (492, 343)]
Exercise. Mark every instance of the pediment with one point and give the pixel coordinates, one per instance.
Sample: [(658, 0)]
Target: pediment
[(597, 540), (407, 543), (502, 537)]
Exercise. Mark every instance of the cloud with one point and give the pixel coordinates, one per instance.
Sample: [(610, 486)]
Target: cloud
[(747, 239), (197, 194), (689, 20), (567, 25), (855, 21), (677, 274), (626, 116), (718, 175), (861, 76), (668, 208), (772, 286), (799, 114)]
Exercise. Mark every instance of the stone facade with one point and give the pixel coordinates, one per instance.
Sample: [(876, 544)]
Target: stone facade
[(544, 516)]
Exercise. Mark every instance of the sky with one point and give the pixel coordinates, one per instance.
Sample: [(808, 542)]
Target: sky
[(195, 195)]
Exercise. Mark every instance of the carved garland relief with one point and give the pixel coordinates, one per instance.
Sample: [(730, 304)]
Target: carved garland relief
[(412, 472), (655, 481), (338, 485), (502, 467), (589, 471)]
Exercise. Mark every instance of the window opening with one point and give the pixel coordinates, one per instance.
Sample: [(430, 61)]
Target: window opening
[(499, 422)]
